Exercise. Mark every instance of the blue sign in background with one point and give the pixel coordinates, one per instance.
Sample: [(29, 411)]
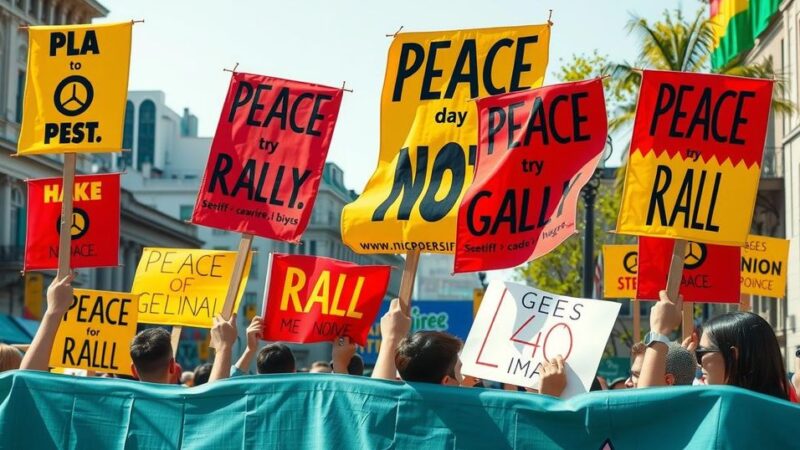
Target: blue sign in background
[(454, 317)]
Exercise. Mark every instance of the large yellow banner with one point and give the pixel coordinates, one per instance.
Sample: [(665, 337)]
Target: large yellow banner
[(429, 131), (96, 332), (75, 88), (184, 286)]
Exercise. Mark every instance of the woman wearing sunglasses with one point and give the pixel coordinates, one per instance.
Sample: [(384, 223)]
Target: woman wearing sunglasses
[(737, 349)]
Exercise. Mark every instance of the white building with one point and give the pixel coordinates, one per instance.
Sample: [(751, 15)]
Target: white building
[(165, 166)]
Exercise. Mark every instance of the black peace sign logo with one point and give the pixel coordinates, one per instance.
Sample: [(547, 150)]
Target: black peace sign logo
[(631, 262), (80, 224), (695, 255), (73, 95)]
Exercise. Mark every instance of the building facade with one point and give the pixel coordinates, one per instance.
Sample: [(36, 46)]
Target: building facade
[(140, 225), (165, 166)]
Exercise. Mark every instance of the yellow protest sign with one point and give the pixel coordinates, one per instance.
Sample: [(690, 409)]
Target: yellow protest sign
[(429, 132), (620, 266), (96, 332), (34, 296), (185, 286), (695, 157), (75, 88), (764, 266)]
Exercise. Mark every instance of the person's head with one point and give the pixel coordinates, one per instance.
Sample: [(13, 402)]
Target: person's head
[(275, 358), (680, 366), (10, 358), (320, 367), (637, 358), (151, 352), (429, 357), (740, 349), (187, 378), (356, 366), (202, 373)]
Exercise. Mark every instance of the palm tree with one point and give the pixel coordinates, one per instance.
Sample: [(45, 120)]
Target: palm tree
[(679, 44)]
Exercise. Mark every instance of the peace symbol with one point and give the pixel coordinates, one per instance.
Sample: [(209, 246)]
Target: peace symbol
[(80, 224), (631, 262), (695, 255), (73, 95)]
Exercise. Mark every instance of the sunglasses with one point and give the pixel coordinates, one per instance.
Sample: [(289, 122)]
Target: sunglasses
[(700, 351)]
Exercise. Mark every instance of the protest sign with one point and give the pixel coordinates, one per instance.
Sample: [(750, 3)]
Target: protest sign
[(96, 332), (94, 228), (312, 299), (517, 327), (75, 89), (452, 316), (536, 151), (620, 265), (709, 271), (429, 132), (764, 266), (34, 296), (695, 156), (184, 287), (267, 156)]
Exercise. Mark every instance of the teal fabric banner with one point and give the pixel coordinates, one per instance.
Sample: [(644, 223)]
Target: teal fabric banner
[(323, 411)]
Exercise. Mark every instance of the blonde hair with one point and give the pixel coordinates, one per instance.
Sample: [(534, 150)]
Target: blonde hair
[(10, 358)]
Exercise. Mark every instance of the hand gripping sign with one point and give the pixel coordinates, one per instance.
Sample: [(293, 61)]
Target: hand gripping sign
[(517, 327), (429, 132), (311, 299), (267, 156), (185, 287), (96, 332), (95, 222), (695, 157), (75, 89), (536, 150)]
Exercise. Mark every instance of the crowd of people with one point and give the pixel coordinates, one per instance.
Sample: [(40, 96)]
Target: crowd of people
[(736, 349)]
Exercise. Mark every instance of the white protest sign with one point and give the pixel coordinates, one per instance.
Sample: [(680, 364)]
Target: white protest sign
[(518, 326)]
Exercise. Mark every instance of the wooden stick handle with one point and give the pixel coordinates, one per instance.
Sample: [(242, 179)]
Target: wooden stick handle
[(407, 282), (637, 320), (175, 339), (688, 319), (676, 269), (65, 235), (236, 276)]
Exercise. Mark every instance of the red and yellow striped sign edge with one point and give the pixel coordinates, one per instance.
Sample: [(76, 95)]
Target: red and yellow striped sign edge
[(733, 207)]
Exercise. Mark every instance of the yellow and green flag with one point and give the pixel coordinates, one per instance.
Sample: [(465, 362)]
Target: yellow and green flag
[(737, 24)]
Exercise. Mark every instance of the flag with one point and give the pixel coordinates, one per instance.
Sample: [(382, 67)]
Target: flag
[(736, 25)]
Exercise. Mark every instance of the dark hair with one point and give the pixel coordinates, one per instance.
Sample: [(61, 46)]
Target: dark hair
[(151, 352), (356, 366), (202, 373), (427, 356), (275, 358), (759, 365), (637, 349)]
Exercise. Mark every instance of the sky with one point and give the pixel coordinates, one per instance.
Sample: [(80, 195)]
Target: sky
[(184, 45)]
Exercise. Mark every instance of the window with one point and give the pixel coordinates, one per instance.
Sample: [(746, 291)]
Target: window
[(17, 218), (312, 247), (218, 232), (127, 133), (20, 93), (147, 133), (254, 263), (186, 212)]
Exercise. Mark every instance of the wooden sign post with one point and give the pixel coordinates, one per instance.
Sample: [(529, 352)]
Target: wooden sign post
[(674, 283), (407, 282), (236, 277), (175, 338), (637, 320), (65, 234)]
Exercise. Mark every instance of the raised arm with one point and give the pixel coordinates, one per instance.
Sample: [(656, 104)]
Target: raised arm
[(665, 317), (253, 335), (223, 336), (59, 299), (394, 327)]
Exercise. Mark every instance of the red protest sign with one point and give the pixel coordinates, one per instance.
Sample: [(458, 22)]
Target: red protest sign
[(95, 222), (537, 149), (710, 272), (267, 156), (312, 299)]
